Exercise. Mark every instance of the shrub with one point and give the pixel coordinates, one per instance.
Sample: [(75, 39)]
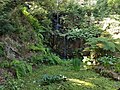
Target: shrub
[(6, 26), (33, 21), (117, 67), (107, 60), (75, 15), (110, 62), (106, 7), (101, 46), (4, 64), (76, 63), (84, 33), (21, 68), (48, 79), (2, 87), (48, 59)]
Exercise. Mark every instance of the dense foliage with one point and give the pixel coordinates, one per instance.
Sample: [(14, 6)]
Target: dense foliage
[(39, 33), (84, 33)]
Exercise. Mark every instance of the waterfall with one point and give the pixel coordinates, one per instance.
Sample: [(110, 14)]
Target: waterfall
[(58, 27), (65, 47)]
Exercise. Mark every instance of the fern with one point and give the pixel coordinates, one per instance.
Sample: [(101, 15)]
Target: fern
[(37, 48), (101, 42), (34, 22), (38, 28), (21, 68), (48, 59), (117, 44), (84, 33)]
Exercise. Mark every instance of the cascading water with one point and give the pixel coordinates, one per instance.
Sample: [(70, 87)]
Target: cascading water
[(57, 25), (58, 28), (65, 48)]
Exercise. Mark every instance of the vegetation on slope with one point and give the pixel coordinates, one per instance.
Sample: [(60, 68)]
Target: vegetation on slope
[(35, 33)]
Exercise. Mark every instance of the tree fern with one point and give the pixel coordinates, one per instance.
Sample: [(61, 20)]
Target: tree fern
[(103, 43)]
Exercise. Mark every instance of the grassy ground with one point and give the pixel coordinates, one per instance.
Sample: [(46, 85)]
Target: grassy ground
[(78, 80)]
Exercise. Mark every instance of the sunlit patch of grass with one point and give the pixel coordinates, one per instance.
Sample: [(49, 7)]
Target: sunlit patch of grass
[(80, 82)]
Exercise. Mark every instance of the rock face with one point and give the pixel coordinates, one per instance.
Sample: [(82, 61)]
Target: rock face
[(66, 47), (11, 48), (2, 80), (107, 73)]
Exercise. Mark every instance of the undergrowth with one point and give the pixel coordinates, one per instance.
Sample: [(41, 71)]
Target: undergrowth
[(80, 80)]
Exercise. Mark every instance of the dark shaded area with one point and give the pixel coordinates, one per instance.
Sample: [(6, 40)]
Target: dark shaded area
[(58, 22), (67, 48)]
